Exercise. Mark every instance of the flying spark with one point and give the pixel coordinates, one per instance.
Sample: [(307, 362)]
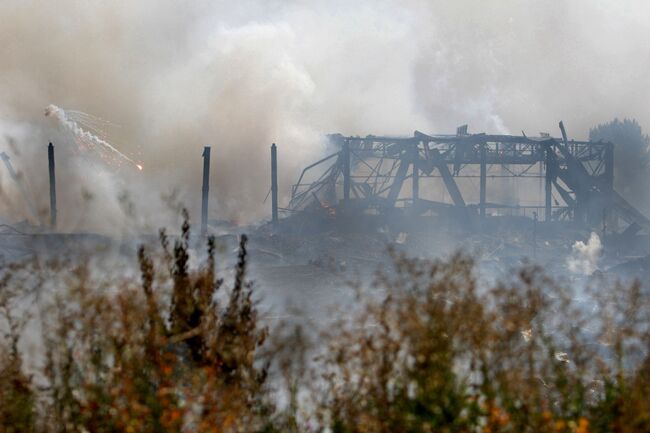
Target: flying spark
[(89, 136)]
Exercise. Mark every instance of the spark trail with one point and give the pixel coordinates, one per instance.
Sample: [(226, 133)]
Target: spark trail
[(89, 134)]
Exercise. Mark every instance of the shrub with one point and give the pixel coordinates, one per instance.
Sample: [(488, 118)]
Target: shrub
[(436, 354), (430, 350), (136, 360)]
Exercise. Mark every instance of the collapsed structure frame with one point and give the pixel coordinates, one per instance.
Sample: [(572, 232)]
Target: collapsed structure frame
[(370, 175)]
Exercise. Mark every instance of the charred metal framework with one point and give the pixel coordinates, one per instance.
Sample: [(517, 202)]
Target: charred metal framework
[(388, 175)]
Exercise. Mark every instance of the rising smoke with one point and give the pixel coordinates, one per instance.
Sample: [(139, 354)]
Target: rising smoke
[(240, 75), (585, 256)]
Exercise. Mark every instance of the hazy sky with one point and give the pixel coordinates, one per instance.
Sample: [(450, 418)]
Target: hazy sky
[(174, 76)]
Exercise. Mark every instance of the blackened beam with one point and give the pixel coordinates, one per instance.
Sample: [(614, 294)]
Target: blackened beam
[(50, 159), (448, 179), (415, 186), (306, 169), (205, 190), (478, 138), (345, 155), (274, 183), (551, 169), (398, 181), (483, 181)]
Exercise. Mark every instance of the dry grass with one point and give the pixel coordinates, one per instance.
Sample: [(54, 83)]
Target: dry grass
[(438, 355), (435, 354)]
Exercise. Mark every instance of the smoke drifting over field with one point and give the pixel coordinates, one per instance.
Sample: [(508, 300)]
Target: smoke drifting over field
[(176, 76)]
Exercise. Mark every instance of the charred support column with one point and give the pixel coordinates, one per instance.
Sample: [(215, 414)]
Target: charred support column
[(609, 217), (206, 188), (50, 159), (609, 166), (274, 183), (346, 171), (548, 190), (416, 173), (483, 178), (578, 209)]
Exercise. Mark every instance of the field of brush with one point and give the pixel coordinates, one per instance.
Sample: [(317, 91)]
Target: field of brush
[(175, 340)]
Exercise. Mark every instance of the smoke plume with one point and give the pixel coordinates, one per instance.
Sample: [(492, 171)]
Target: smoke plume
[(584, 256), (176, 76)]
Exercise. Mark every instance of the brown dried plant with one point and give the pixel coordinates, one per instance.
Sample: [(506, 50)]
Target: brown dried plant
[(431, 350), (134, 360), (438, 354)]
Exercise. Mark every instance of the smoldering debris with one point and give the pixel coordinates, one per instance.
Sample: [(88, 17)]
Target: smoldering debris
[(584, 257), (373, 195), (377, 194)]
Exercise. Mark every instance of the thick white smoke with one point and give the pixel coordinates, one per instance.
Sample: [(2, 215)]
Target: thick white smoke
[(240, 75), (584, 256)]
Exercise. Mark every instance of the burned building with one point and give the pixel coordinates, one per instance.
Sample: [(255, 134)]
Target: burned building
[(468, 180)]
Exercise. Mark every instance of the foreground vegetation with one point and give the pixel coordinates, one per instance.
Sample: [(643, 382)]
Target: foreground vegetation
[(178, 350)]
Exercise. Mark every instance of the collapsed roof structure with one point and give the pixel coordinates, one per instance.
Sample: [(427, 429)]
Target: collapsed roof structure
[(447, 175)]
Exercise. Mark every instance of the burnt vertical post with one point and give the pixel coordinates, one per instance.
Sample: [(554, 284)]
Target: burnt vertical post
[(416, 173), (346, 171), (548, 190), (205, 190), (564, 136), (534, 235), (609, 166), (609, 217), (483, 179), (274, 183), (50, 159)]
